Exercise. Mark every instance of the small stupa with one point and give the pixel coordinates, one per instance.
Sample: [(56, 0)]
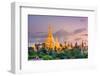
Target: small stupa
[(57, 44)]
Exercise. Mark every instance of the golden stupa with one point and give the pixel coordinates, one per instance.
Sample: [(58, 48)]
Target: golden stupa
[(49, 43), (57, 45)]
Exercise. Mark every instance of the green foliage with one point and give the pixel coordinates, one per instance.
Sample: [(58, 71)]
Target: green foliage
[(31, 53), (51, 54), (76, 53), (47, 57)]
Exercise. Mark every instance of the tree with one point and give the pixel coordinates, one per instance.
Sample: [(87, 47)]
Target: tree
[(31, 54)]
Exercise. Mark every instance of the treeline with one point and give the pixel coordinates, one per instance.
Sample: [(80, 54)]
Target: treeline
[(45, 54)]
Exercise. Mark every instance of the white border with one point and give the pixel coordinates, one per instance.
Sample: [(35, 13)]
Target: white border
[(19, 38)]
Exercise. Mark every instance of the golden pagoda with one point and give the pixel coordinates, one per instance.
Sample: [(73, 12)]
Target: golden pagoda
[(49, 43), (57, 45)]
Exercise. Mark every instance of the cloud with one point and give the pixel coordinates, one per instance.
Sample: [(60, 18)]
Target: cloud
[(84, 35), (61, 33), (79, 30), (37, 35)]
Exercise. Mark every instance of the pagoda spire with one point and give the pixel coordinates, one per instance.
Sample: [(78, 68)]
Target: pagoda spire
[(57, 44), (49, 43)]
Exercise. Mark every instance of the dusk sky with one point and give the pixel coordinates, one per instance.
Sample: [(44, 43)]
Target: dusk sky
[(38, 24)]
